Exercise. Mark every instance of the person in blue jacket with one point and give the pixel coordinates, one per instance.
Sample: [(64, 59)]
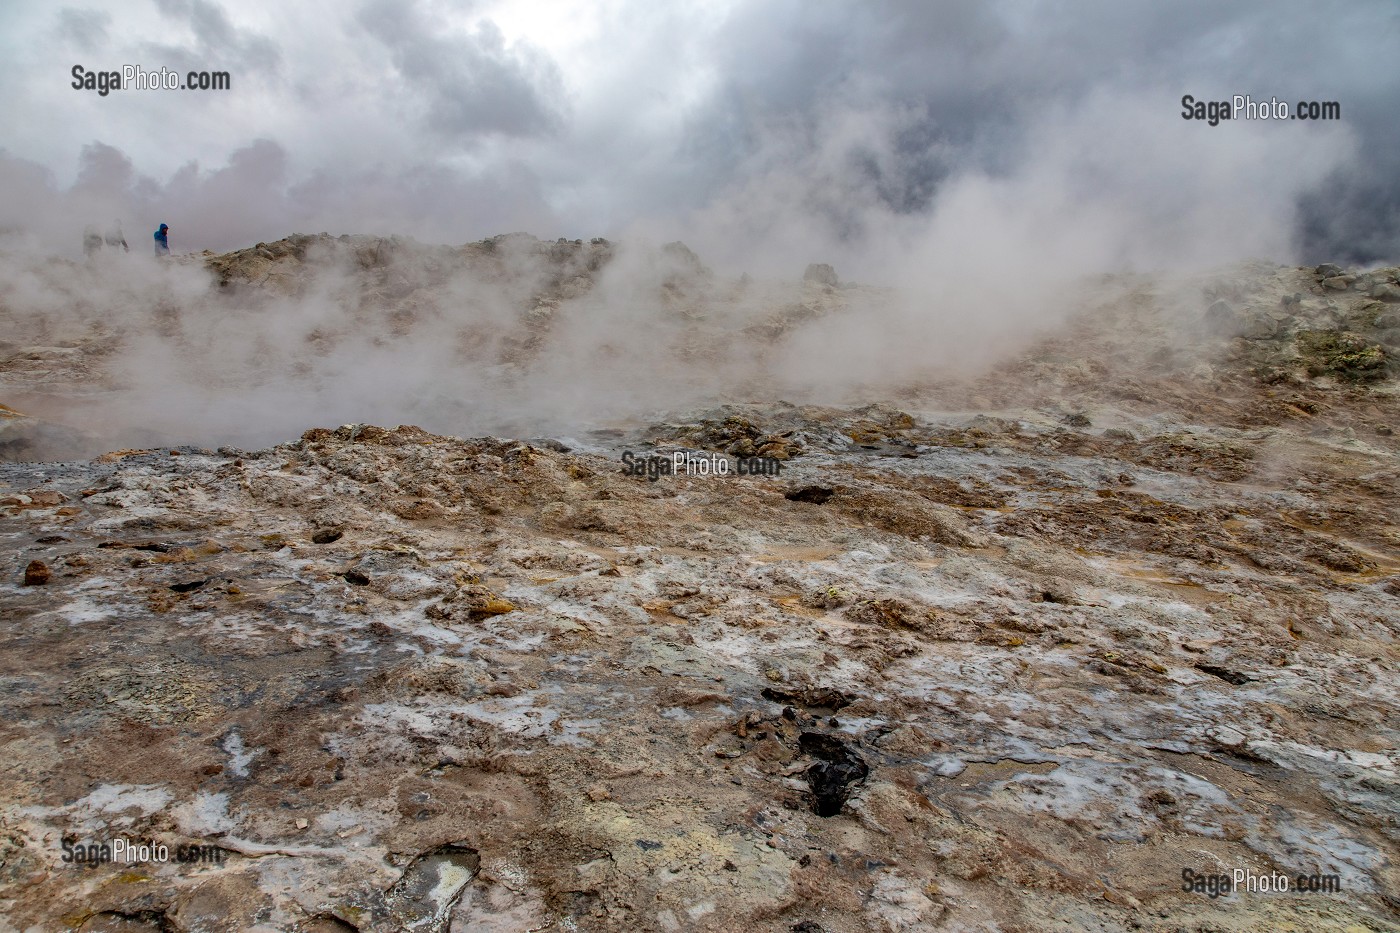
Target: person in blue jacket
[(163, 241)]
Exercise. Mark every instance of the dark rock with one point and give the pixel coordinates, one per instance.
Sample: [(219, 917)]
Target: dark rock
[(816, 495), (356, 577), (36, 574), (327, 536), (837, 768), (1077, 420), (1327, 270), (159, 547), (189, 586), (1225, 674)]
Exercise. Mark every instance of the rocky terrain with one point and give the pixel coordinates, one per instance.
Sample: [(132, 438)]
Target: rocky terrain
[(1006, 650)]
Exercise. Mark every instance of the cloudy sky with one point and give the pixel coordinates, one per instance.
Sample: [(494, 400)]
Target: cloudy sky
[(778, 130)]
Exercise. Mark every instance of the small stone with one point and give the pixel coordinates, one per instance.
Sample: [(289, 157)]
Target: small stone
[(302, 824), (598, 793), (816, 495), (36, 574)]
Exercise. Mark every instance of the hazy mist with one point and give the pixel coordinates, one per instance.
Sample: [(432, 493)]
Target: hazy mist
[(974, 159)]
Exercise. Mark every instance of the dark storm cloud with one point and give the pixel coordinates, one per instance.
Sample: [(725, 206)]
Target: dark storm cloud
[(785, 126), (972, 76), (468, 82)]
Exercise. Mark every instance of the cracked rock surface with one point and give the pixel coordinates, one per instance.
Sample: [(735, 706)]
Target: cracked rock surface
[(955, 666)]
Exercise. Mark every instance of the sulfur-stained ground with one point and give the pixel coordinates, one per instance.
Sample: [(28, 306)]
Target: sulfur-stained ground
[(1040, 644)]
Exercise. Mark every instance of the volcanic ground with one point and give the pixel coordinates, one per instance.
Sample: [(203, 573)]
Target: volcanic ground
[(1016, 651)]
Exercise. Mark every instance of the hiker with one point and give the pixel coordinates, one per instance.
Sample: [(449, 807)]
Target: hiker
[(92, 241), (115, 237), (163, 241)]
